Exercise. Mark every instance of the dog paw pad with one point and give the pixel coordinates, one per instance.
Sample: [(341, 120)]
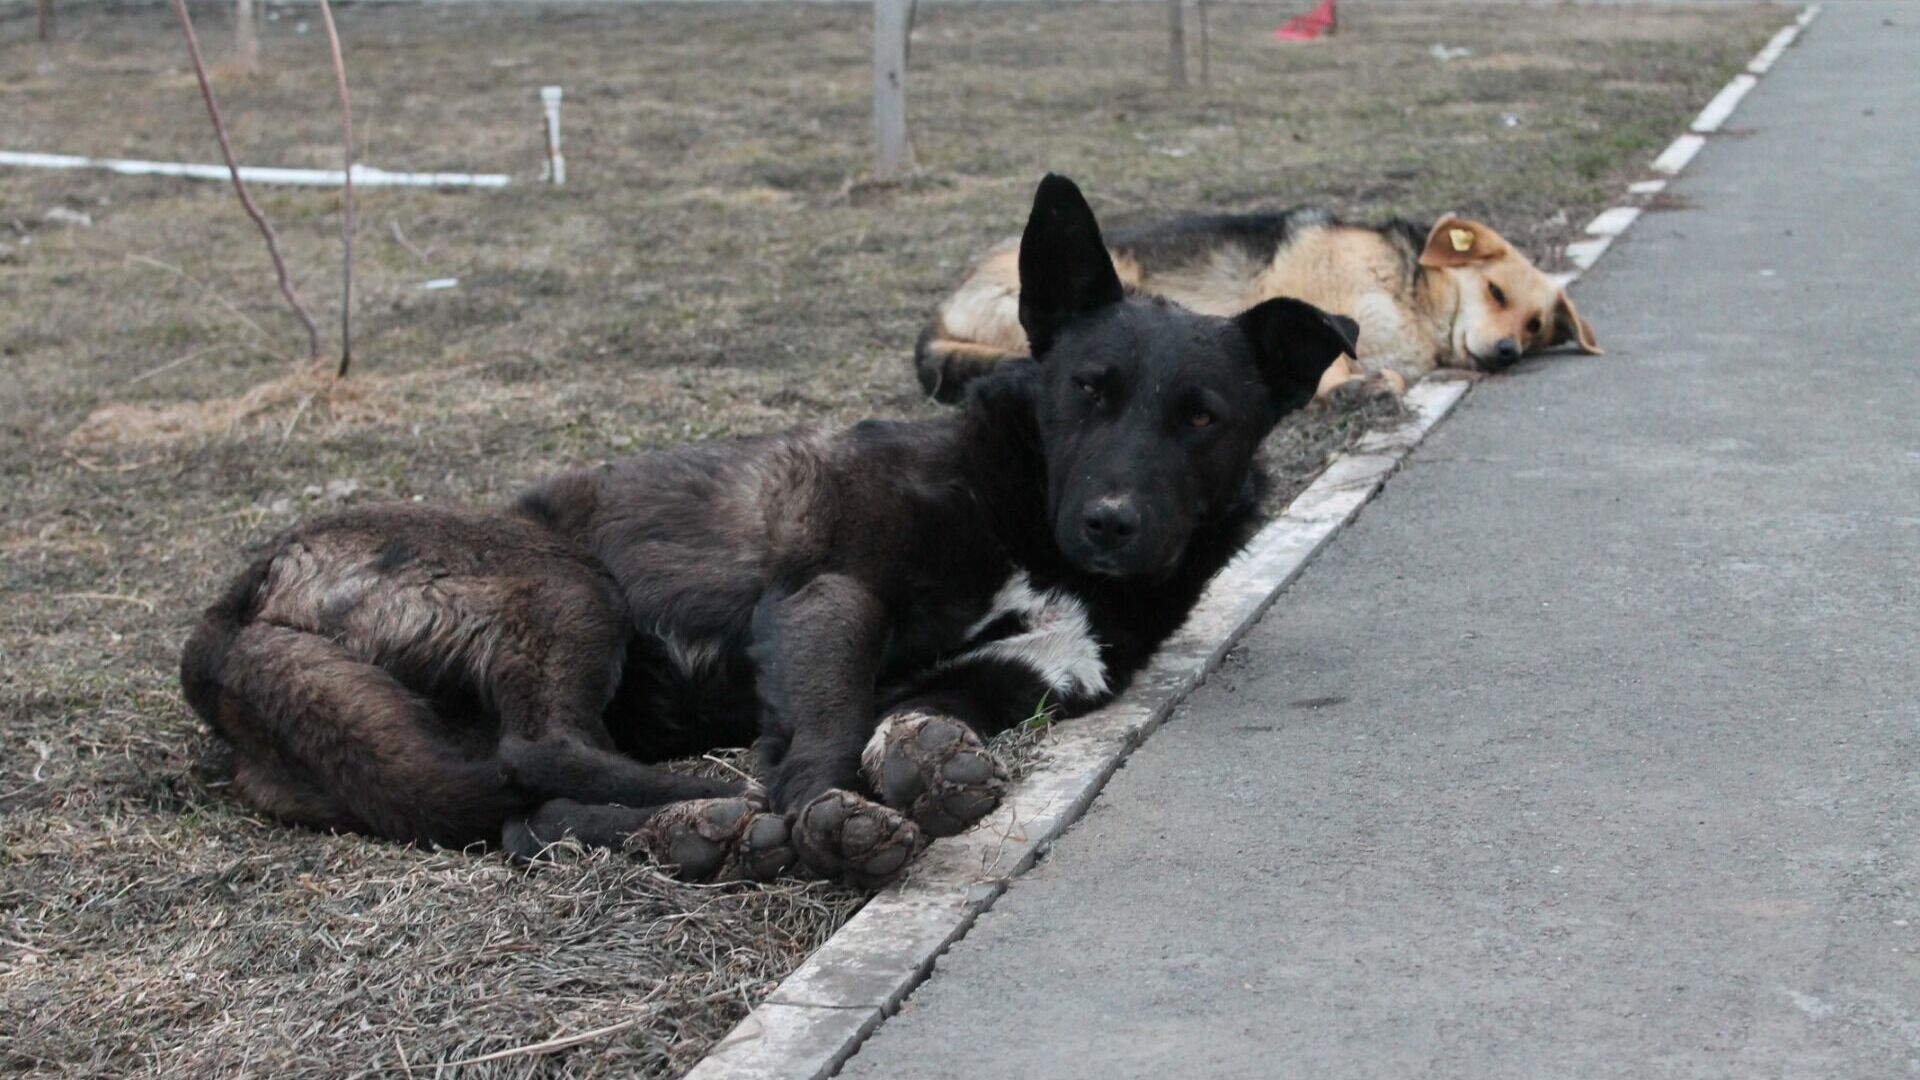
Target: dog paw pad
[(936, 769), (841, 835), (717, 840)]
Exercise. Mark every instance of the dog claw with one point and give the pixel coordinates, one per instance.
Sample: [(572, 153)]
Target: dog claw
[(935, 768), (841, 835), (717, 840), (518, 841)]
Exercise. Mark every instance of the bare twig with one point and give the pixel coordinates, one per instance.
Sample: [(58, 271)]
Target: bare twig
[(44, 10), (551, 1045), (346, 217), (729, 766), (117, 598), (401, 239), (97, 467), (171, 364), (240, 187), (210, 294), (306, 402), (565, 1041)]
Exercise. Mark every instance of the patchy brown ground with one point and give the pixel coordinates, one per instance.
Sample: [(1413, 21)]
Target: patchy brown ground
[(714, 267)]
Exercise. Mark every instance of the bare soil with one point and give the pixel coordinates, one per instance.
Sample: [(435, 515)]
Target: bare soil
[(718, 263)]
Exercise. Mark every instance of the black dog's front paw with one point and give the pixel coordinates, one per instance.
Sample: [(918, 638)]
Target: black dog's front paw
[(798, 779), (843, 836), (726, 839), (935, 768)]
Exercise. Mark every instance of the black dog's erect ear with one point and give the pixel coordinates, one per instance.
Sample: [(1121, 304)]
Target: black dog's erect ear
[(1065, 271), (1294, 342)]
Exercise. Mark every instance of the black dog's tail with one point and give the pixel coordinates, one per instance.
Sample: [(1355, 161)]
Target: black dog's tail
[(946, 365), (206, 652)]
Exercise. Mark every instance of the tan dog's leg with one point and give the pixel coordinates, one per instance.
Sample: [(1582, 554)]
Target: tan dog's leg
[(1345, 386), (1338, 374)]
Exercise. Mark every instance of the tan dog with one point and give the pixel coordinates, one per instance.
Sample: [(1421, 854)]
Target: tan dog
[(1450, 295)]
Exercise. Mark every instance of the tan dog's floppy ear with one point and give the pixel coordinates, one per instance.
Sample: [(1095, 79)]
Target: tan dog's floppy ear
[(1458, 241), (1569, 326)]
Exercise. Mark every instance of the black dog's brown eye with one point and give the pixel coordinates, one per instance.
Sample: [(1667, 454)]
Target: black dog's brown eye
[(1499, 296), (1533, 325), (1200, 418)]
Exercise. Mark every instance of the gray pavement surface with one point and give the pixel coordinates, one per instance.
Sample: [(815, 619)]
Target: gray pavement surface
[(1593, 747)]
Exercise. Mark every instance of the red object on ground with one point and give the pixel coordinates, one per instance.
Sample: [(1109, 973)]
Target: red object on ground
[(1320, 20)]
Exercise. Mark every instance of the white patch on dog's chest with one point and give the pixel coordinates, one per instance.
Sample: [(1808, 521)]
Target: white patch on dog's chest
[(1056, 640)]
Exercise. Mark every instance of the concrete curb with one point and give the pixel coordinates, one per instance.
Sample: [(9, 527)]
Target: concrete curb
[(820, 1014)]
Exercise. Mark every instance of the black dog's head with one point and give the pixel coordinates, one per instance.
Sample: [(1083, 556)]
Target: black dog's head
[(1149, 414)]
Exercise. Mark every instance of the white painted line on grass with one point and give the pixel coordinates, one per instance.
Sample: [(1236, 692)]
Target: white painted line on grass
[(1723, 103), (1647, 187), (363, 175), (1678, 153), (1612, 221), (819, 1014)]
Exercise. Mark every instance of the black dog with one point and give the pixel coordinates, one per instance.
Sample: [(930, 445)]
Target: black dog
[(868, 604)]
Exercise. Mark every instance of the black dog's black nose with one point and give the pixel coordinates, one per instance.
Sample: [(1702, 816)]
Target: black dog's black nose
[(1507, 350), (1110, 523)]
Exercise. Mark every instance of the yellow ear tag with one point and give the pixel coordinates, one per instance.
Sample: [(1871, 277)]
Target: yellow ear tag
[(1462, 239)]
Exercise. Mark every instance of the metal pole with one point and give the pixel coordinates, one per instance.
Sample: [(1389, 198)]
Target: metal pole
[(892, 23)]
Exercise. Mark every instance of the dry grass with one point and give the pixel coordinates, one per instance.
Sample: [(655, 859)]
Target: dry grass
[(715, 266), (245, 953)]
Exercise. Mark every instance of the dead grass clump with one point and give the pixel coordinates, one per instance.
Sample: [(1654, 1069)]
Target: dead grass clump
[(1299, 448), (170, 422), (160, 950), (1024, 747)]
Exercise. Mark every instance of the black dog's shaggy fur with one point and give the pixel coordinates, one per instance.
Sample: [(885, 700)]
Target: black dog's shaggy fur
[(867, 604)]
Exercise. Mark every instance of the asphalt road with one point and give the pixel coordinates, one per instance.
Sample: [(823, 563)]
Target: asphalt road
[(1593, 747)]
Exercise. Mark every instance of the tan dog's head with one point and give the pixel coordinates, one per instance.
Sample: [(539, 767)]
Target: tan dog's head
[(1508, 308)]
